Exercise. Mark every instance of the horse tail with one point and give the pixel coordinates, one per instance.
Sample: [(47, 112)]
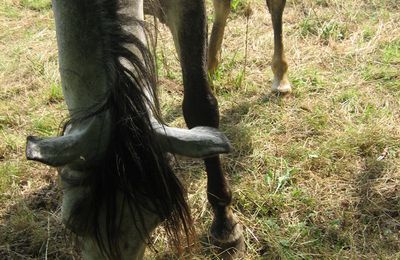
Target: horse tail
[(135, 166)]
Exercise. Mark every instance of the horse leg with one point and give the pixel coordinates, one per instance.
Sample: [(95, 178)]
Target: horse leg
[(200, 108), (221, 12), (279, 64)]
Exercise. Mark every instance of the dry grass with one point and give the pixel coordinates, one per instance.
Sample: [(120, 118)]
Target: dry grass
[(314, 175)]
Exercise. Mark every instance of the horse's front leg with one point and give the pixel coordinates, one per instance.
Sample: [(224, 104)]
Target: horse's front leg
[(279, 64), (187, 22)]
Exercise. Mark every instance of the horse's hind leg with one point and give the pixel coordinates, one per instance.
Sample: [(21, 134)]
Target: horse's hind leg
[(279, 64), (200, 108), (221, 12)]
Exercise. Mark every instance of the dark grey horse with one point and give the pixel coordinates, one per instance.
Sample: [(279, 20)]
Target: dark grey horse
[(117, 183)]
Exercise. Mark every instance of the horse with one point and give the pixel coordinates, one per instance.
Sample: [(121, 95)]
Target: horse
[(112, 154), (280, 83), (191, 12)]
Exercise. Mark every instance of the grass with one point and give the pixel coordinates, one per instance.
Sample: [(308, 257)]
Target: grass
[(38, 5), (315, 175)]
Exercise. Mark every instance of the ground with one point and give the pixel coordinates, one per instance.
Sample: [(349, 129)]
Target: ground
[(315, 174)]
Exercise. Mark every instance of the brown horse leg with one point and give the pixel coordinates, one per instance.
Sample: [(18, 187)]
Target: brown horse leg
[(200, 108), (221, 12), (279, 64)]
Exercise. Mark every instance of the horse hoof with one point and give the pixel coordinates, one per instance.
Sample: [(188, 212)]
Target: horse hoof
[(228, 239), (281, 87), (230, 250)]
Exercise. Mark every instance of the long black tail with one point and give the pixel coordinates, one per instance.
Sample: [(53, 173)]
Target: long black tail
[(135, 166)]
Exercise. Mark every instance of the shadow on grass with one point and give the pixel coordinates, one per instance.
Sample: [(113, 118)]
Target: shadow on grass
[(32, 228), (239, 134), (378, 208)]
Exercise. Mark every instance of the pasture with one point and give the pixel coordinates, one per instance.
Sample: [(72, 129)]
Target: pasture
[(314, 174)]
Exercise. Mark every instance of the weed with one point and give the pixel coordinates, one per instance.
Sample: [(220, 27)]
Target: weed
[(55, 94), (278, 180), (333, 30), (308, 27), (239, 6)]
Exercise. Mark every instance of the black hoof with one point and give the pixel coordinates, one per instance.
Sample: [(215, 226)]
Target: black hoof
[(230, 250), (227, 237)]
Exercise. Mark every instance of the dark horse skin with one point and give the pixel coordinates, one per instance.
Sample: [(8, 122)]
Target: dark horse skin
[(187, 22)]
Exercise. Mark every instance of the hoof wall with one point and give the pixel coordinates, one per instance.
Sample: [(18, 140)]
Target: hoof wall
[(230, 245), (281, 87), (230, 250)]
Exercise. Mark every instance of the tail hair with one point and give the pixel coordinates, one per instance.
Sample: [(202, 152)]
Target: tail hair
[(135, 168)]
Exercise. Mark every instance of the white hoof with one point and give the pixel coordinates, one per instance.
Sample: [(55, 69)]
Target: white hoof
[(281, 86)]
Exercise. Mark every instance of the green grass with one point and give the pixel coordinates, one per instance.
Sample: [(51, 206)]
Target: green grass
[(384, 71), (38, 5), (391, 53), (326, 30), (55, 93), (9, 11), (314, 175), (239, 7)]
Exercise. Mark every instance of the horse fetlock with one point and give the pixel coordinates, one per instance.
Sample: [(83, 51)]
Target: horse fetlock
[(279, 65), (280, 83), (220, 201)]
